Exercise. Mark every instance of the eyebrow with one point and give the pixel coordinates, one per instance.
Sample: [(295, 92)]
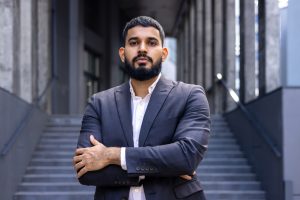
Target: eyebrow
[(136, 38), (133, 38)]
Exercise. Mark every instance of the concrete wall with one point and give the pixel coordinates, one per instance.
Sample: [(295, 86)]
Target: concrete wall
[(25, 47), (269, 168), (291, 138), (13, 165)]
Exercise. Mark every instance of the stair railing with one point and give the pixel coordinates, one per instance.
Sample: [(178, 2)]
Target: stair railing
[(253, 121)]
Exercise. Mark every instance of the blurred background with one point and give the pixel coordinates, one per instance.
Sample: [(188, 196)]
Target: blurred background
[(54, 54)]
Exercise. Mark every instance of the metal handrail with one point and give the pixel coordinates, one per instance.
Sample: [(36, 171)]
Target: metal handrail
[(13, 138), (254, 122)]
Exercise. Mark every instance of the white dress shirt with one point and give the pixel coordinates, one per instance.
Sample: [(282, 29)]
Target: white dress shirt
[(138, 109)]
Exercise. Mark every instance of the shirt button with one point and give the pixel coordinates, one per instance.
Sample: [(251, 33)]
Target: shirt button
[(136, 190)]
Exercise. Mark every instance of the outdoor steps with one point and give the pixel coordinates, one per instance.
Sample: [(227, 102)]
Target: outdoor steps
[(224, 172), (50, 174)]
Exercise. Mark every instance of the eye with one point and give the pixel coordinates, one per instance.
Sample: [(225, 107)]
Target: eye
[(133, 43), (153, 43)]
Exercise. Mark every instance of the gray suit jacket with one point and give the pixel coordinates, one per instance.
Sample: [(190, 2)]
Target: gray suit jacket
[(173, 139)]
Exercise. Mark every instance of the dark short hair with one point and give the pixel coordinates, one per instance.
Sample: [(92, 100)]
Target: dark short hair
[(145, 22)]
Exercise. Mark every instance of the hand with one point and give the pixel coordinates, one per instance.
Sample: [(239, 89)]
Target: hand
[(188, 177), (91, 158)]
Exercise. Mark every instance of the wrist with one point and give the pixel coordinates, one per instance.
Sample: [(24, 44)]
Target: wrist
[(114, 155)]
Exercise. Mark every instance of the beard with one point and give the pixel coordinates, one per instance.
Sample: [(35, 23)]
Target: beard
[(142, 73)]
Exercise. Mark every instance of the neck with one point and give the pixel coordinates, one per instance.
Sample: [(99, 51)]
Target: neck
[(141, 87)]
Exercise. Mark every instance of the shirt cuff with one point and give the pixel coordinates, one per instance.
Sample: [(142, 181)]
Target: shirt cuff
[(123, 158)]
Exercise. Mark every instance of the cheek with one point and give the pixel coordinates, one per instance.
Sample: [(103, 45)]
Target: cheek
[(157, 56), (128, 56)]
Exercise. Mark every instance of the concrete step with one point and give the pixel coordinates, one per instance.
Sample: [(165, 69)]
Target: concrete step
[(224, 169), (234, 195), (58, 147), (51, 162), (59, 141), (50, 170), (54, 154), (65, 120), (220, 147), (223, 161), (72, 195), (50, 178), (223, 141), (222, 135), (55, 135), (62, 129), (227, 176), (224, 154), (220, 129), (231, 185)]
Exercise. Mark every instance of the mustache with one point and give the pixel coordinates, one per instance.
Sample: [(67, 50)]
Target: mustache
[(142, 56)]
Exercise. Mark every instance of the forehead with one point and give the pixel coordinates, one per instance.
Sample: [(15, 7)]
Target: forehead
[(143, 33)]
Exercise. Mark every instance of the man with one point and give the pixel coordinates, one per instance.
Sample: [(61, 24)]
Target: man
[(144, 139)]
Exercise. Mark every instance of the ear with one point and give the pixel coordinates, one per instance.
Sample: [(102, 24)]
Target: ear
[(165, 53), (122, 54)]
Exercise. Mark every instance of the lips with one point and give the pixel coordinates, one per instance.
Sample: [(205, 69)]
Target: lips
[(142, 60)]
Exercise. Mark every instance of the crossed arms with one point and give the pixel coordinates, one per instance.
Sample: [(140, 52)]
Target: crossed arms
[(100, 165)]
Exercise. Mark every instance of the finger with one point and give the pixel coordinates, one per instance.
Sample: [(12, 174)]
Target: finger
[(82, 172), (93, 140), (186, 177), (80, 151), (79, 165), (77, 159)]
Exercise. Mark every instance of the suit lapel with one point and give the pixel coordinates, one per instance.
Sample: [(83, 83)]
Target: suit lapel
[(123, 101), (157, 99)]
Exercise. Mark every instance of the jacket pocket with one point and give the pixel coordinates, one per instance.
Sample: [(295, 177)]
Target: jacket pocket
[(183, 189)]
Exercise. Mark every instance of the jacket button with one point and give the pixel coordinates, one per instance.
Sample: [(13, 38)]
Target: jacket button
[(138, 169), (124, 198)]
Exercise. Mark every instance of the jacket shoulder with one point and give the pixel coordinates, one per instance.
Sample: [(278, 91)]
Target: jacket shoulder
[(109, 92), (188, 88)]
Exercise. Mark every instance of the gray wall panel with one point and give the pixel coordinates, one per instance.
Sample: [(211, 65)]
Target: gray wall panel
[(13, 165), (291, 139)]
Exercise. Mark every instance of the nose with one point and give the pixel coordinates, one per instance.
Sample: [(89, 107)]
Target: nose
[(143, 47)]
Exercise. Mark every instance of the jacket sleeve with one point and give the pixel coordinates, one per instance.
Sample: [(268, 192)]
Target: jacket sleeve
[(189, 143), (111, 175)]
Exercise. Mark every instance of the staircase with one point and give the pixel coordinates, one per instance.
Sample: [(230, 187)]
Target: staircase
[(50, 174), (224, 172)]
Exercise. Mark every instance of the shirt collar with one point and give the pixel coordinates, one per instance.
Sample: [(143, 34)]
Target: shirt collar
[(150, 88)]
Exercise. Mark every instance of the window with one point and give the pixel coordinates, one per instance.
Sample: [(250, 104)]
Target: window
[(92, 63)]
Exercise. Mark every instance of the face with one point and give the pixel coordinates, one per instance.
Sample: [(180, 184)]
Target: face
[(143, 52)]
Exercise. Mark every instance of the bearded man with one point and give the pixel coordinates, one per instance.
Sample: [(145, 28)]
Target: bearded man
[(144, 139)]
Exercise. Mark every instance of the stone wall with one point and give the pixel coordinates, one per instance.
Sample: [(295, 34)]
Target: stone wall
[(25, 47)]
